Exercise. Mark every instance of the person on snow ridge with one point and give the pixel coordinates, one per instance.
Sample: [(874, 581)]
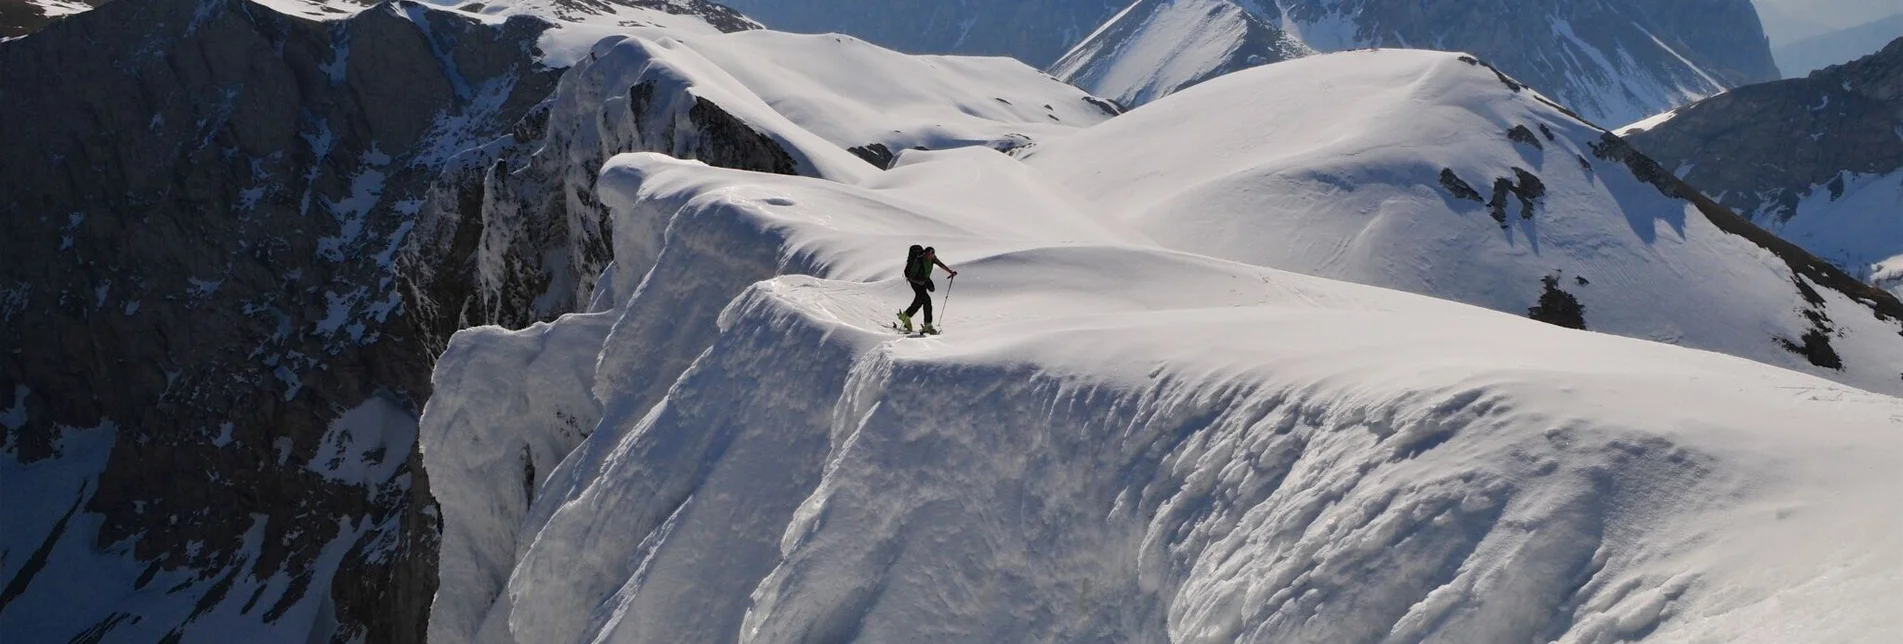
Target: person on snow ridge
[(918, 272)]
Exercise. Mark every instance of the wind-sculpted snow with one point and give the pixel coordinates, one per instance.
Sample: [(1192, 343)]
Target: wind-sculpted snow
[(1433, 173), (1114, 441)]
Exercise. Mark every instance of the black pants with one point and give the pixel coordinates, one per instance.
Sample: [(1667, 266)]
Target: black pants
[(921, 297)]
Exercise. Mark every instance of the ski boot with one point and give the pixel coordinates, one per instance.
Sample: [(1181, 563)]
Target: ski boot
[(905, 322), (929, 329)]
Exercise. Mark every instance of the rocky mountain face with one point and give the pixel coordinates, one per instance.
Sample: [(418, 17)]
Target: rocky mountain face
[(515, 233), (1818, 160), (202, 205), (212, 375), (1156, 47)]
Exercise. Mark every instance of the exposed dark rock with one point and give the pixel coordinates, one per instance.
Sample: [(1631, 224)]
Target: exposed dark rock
[(1520, 134), (548, 206), (1505, 80), (728, 142), (1815, 347), (1524, 185), (1459, 189), (876, 154), (1557, 307), (1530, 190), (1107, 107)]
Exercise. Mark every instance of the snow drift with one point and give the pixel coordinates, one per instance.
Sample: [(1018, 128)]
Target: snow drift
[(1119, 440)]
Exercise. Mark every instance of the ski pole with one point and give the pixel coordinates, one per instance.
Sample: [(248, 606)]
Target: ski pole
[(946, 307)]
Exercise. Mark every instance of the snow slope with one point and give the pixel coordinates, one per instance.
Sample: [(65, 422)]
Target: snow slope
[(1078, 460), (1374, 167), (1122, 441), (1855, 221), (1155, 47)]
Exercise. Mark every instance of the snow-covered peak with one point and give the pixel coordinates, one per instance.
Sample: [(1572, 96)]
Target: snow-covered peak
[(1156, 47)]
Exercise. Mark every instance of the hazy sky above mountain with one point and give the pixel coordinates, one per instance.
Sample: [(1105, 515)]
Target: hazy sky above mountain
[(1787, 20)]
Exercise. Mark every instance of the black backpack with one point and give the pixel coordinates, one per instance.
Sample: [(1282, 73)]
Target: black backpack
[(917, 268)]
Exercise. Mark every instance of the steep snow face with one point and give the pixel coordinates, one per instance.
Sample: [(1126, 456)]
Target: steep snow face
[(1818, 160), (1432, 173), (1156, 47), (1115, 442), (828, 106)]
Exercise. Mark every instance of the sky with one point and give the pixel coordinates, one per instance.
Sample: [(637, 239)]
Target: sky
[(1786, 20)]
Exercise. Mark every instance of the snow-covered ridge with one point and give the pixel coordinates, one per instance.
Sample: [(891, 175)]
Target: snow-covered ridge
[(1117, 440), (827, 106)]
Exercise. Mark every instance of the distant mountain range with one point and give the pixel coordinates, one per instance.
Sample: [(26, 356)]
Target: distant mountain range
[(1800, 58), (1612, 61)]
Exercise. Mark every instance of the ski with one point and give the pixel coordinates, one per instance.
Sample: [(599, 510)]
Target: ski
[(910, 334)]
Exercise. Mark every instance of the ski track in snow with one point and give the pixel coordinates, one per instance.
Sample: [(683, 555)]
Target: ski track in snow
[(1120, 441)]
